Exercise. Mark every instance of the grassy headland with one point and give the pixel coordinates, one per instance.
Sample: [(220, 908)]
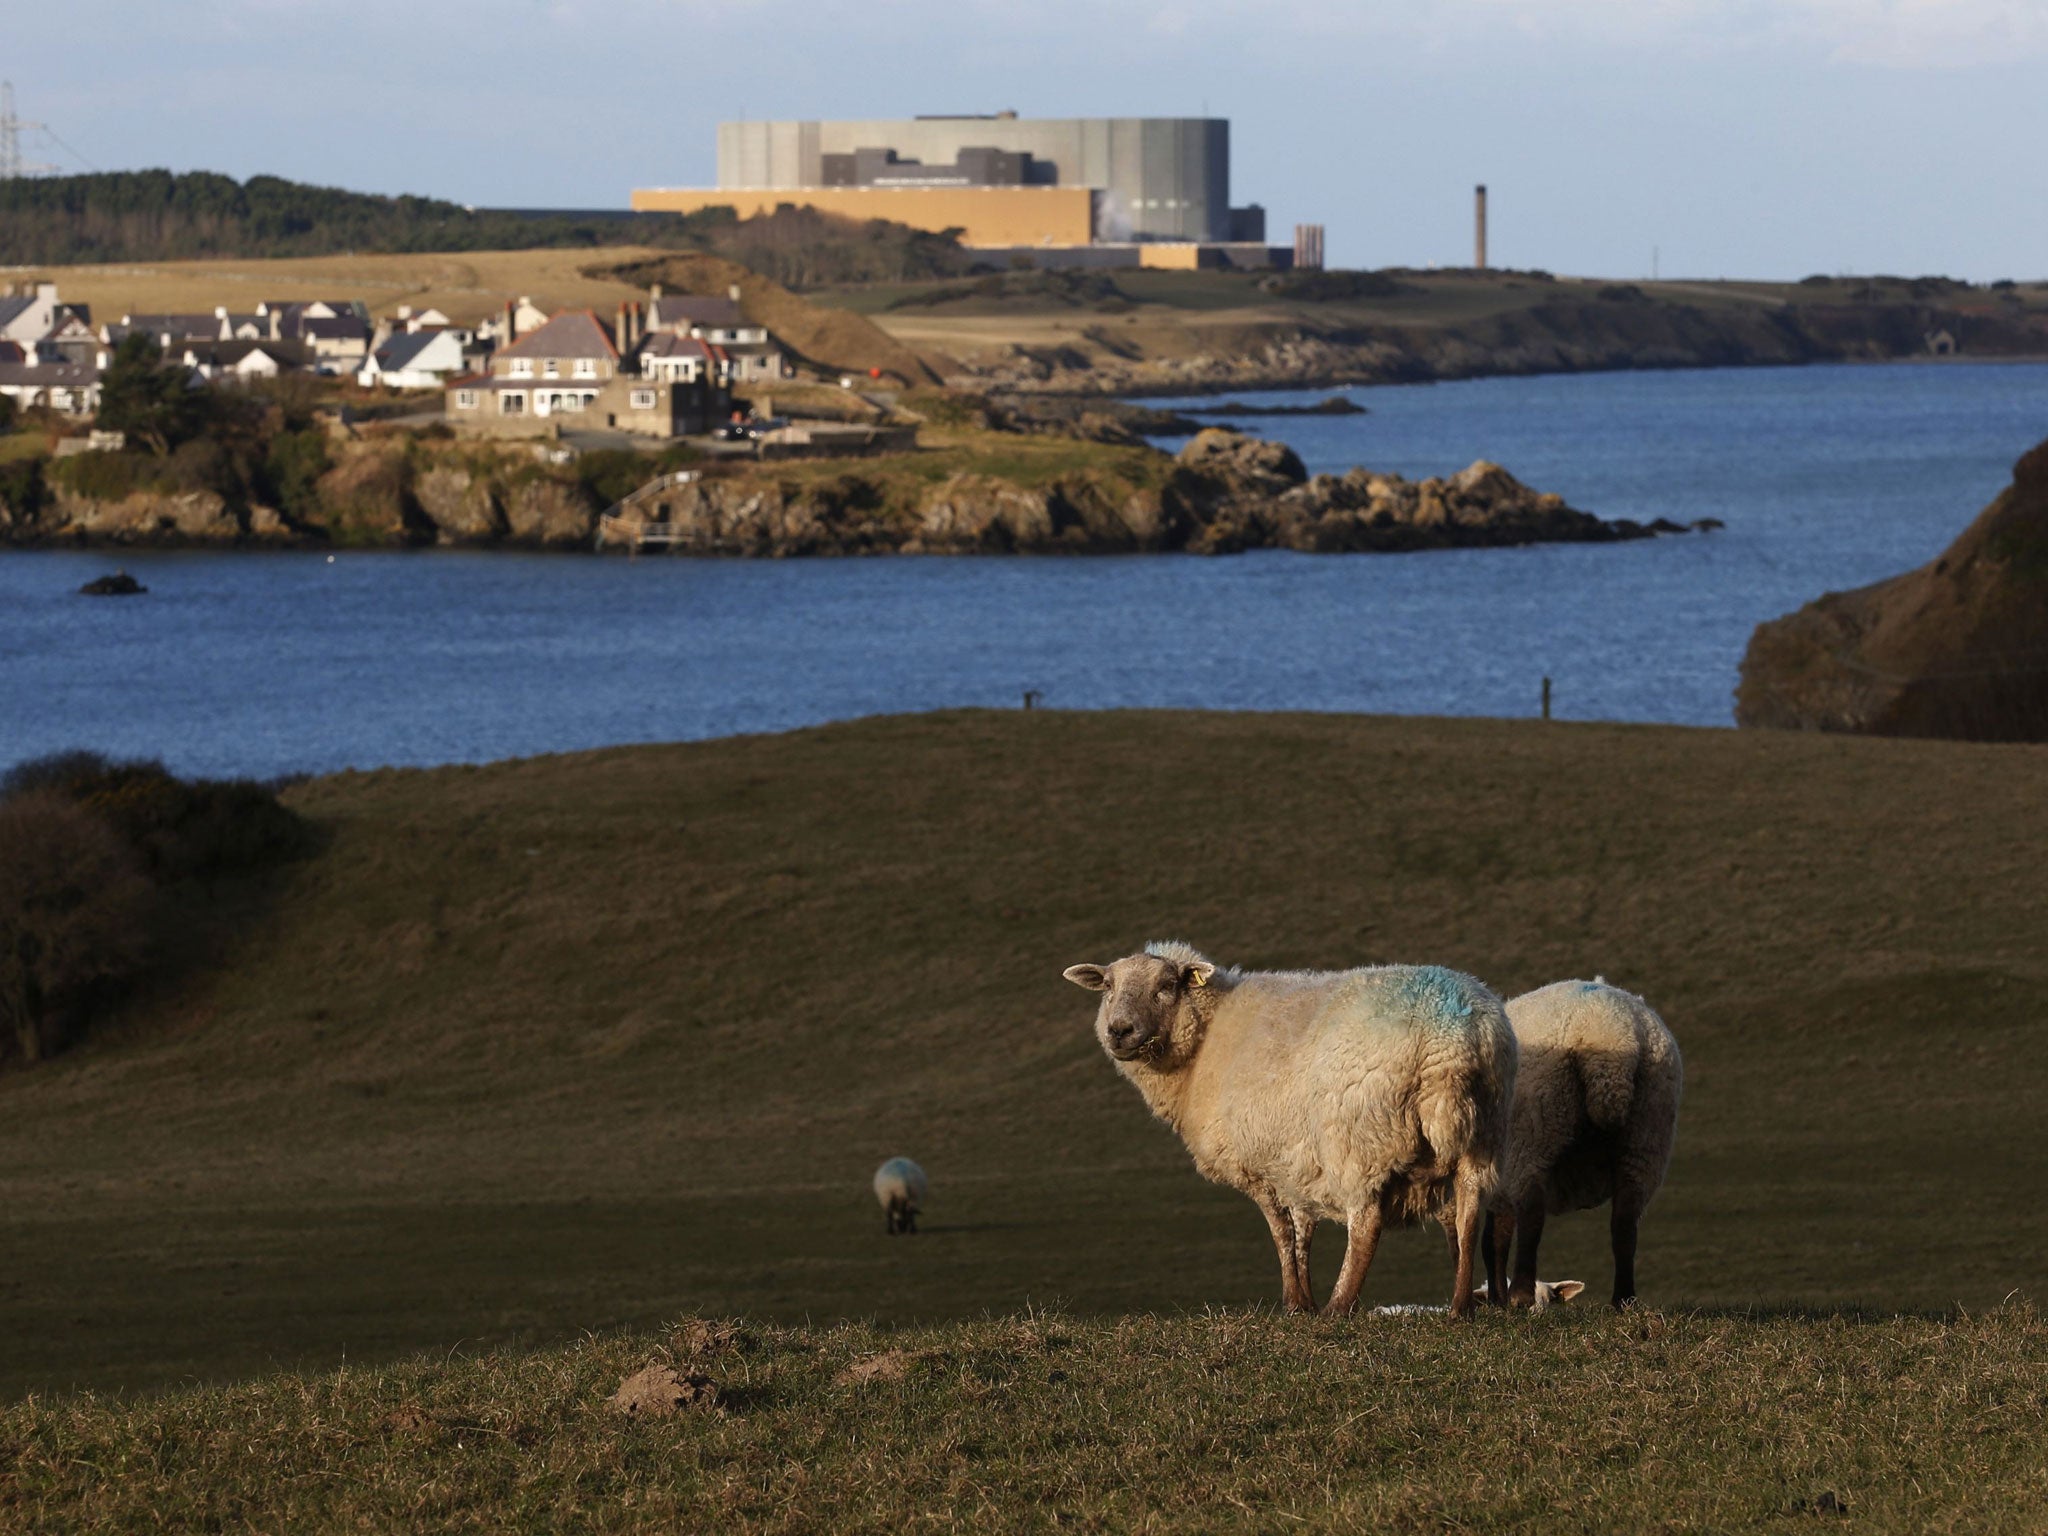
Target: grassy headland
[(588, 1042), (1224, 1421)]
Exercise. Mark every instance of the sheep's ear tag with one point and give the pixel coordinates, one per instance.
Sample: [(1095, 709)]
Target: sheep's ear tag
[(1198, 977)]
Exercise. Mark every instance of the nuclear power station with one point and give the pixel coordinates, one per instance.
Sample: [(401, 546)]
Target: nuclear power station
[(1155, 189)]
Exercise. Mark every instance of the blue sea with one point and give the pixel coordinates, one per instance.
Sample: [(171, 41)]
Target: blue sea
[(1827, 478)]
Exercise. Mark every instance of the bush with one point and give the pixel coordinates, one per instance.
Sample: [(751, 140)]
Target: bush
[(178, 829), (1620, 293), (23, 491), (75, 910), (8, 411), (291, 472)]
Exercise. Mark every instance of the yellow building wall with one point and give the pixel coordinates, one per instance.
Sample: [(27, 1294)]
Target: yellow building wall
[(983, 215), (1175, 257)]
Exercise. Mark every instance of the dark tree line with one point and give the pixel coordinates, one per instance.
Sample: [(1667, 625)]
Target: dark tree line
[(162, 216)]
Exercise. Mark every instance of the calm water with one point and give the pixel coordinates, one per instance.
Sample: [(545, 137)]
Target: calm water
[(1826, 477)]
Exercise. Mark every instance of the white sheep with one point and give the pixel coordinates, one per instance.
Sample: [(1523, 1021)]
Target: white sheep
[(1549, 1293), (1596, 1111), (1366, 1097), (900, 1186)]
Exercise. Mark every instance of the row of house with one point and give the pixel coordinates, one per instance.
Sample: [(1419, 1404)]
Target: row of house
[(49, 355), (664, 367)]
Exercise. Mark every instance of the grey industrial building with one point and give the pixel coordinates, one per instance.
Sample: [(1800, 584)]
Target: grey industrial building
[(1156, 178)]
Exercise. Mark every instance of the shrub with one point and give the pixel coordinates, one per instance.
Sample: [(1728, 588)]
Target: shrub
[(109, 476), (1331, 285), (292, 469), (8, 411), (1620, 293), (75, 909), (178, 829), (23, 491)]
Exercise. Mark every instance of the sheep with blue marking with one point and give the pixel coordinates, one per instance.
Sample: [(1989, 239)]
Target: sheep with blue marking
[(901, 1188), (1595, 1116), (1373, 1097)]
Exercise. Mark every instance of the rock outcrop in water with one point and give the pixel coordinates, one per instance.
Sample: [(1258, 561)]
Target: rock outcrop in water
[(1957, 648), (1224, 493)]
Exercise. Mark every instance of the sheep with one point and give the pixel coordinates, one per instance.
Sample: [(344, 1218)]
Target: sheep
[(1595, 1113), (1368, 1097), (900, 1186), (1549, 1293)]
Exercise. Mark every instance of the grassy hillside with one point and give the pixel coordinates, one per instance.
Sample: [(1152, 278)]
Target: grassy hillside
[(1225, 1421), (576, 1043), (1174, 332)]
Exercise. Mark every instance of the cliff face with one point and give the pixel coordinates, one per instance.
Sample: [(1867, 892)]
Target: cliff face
[(1957, 648)]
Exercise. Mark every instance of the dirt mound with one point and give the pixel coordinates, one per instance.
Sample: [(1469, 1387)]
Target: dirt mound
[(660, 1393), (1957, 648), (830, 338)]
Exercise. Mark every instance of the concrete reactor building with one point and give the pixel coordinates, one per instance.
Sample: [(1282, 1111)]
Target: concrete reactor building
[(1159, 186)]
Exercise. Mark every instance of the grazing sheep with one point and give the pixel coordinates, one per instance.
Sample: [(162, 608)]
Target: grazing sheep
[(1596, 1110), (900, 1186), (1366, 1097)]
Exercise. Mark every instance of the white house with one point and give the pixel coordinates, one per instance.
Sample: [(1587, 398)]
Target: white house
[(415, 360), (747, 353)]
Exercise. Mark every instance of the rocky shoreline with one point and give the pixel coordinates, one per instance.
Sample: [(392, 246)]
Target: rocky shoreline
[(1222, 493), (1624, 335)]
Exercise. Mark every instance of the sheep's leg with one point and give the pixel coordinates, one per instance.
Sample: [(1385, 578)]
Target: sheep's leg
[(1530, 1223), (1471, 1211), (1291, 1243), (1304, 1235), (1621, 1232), (1361, 1241), (1495, 1241)]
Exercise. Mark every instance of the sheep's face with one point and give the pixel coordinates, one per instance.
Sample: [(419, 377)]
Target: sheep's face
[(1142, 995)]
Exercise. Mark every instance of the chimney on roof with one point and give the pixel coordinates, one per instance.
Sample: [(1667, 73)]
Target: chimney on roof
[(654, 291), (622, 329), (733, 292), (510, 323)]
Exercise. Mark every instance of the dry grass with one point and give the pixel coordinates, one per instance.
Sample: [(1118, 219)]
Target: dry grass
[(591, 1041), (466, 286), (1227, 1421)]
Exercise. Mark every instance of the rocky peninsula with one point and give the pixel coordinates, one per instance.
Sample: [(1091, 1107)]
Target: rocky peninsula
[(1090, 489)]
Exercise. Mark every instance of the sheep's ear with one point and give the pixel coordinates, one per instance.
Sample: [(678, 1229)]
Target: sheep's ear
[(1093, 977), (1198, 972), (1565, 1290)]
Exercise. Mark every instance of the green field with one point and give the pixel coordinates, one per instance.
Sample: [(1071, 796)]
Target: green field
[(1215, 1422), (582, 1042)]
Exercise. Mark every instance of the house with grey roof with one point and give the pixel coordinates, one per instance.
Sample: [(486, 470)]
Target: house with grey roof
[(415, 360), (73, 389), (28, 316), (750, 355), (567, 375)]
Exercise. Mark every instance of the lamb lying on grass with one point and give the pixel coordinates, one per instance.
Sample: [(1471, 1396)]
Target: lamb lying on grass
[(1366, 1097), (1596, 1111), (1548, 1294), (901, 1188)]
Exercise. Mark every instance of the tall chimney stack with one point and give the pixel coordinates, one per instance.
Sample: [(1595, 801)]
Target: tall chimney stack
[(1479, 226)]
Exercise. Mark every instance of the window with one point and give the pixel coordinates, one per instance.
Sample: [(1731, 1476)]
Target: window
[(512, 403), (572, 401), (643, 399), (465, 399), (551, 369), (586, 367), (522, 367)]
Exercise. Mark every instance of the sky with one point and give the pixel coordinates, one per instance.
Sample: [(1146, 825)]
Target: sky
[(1746, 138)]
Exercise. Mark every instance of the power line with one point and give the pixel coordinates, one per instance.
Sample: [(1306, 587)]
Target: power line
[(11, 163)]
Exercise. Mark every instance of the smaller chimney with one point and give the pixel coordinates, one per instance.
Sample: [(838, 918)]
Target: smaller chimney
[(511, 328), (733, 293), (654, 292)]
